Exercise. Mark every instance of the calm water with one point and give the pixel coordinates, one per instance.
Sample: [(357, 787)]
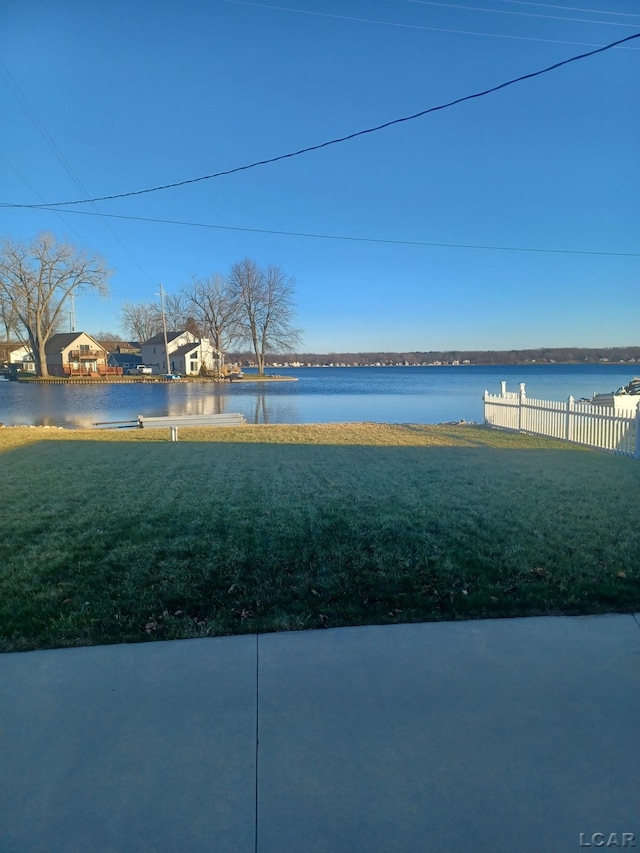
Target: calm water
[(321, 395)]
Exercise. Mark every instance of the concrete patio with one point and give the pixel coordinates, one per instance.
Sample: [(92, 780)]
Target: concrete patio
[(497, 735)]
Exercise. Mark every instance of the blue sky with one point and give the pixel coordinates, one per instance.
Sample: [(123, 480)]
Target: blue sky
[(131, 96)]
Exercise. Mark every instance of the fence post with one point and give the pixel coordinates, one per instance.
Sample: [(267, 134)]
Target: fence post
[(567, 427), (503, 389), (636, 453), (521, 399)]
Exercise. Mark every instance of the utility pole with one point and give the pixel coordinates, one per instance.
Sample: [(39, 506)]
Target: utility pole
[(72, 314), (164, 330)]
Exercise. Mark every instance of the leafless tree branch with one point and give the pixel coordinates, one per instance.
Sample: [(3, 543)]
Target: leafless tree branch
[(36, 281), (266, 297)]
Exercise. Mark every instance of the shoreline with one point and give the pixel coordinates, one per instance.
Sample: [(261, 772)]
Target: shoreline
[(268, 378), (255, 378), (136, 380), (336, 427)]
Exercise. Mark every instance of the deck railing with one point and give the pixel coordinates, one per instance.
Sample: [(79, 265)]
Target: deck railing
[(101, 370), (84, 354)]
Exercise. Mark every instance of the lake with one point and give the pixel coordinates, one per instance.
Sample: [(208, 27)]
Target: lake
[(321, 395)]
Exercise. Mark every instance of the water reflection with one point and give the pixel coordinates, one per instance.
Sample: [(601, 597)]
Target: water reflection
[(88, 405), (261, 409), (273, 410), (330, 395), (196, 403)]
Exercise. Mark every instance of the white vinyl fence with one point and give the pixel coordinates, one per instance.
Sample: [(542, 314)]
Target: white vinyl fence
[(581, 423)]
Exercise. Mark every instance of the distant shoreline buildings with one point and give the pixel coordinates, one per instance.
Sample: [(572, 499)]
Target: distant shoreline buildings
[(454, 358), (15, 352)]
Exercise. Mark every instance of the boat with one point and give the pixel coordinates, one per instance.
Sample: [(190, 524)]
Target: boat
[(625, 398)]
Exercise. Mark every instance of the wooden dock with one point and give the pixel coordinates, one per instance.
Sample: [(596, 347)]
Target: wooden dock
[(224, 419), (175, 421)]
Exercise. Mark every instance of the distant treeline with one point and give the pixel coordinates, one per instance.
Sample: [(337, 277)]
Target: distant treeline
[(560, 355)]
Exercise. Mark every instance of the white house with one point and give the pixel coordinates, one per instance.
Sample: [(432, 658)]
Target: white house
[(186, 353), (23, 357)]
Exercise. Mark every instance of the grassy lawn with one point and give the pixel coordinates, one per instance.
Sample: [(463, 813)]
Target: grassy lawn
[(124, 536)]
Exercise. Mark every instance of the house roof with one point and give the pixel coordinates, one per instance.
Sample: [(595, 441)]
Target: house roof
[(58, 342), (159, 338), (120, 346), (125, 358), (12, 346), (185, 348)]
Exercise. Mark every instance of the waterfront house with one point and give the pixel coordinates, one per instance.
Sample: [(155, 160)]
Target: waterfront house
[(75, 354), (187, 354), (131, 347), (124, 360), (21, 356)]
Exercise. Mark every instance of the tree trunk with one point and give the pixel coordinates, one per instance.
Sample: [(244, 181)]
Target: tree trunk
[(257, 350), (40, 358)]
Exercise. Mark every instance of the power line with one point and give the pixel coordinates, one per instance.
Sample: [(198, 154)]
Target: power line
[(321, 145), (570, 8), (26, 105), (343, 236), (41, 197), (420, 26), (521, 14)]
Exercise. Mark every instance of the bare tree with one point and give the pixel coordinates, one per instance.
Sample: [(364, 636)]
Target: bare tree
[(192, 325), (215, 310), (141, 320), (38, 279), (8, 315), (267, 308), (175, 312), (106, 336)]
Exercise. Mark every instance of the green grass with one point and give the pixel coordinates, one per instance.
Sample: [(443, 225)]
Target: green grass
[(124, 536)]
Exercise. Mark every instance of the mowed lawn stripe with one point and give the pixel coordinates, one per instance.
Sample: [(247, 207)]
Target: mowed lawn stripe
[(111, 537)]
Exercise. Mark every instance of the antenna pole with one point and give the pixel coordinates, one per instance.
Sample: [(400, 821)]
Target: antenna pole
[(72, 314), (164, 330)]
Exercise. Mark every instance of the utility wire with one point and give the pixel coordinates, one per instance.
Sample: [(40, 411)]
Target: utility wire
[(420, 26), (345, 237), (386, 124), (58, 213), (570, 8), (24, 102), (521, 14)]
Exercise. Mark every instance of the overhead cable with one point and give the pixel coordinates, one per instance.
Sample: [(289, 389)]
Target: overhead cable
[(570, 8), (344, 236), (521, 14), (341, 139), (22, 99), (360, 20)]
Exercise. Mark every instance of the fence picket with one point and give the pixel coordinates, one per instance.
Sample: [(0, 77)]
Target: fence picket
[(577, 423)]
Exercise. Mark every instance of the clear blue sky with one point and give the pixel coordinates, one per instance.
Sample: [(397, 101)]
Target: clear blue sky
[(140, 94)]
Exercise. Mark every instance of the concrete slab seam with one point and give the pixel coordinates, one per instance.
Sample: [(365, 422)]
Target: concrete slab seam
[(257, 736)]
